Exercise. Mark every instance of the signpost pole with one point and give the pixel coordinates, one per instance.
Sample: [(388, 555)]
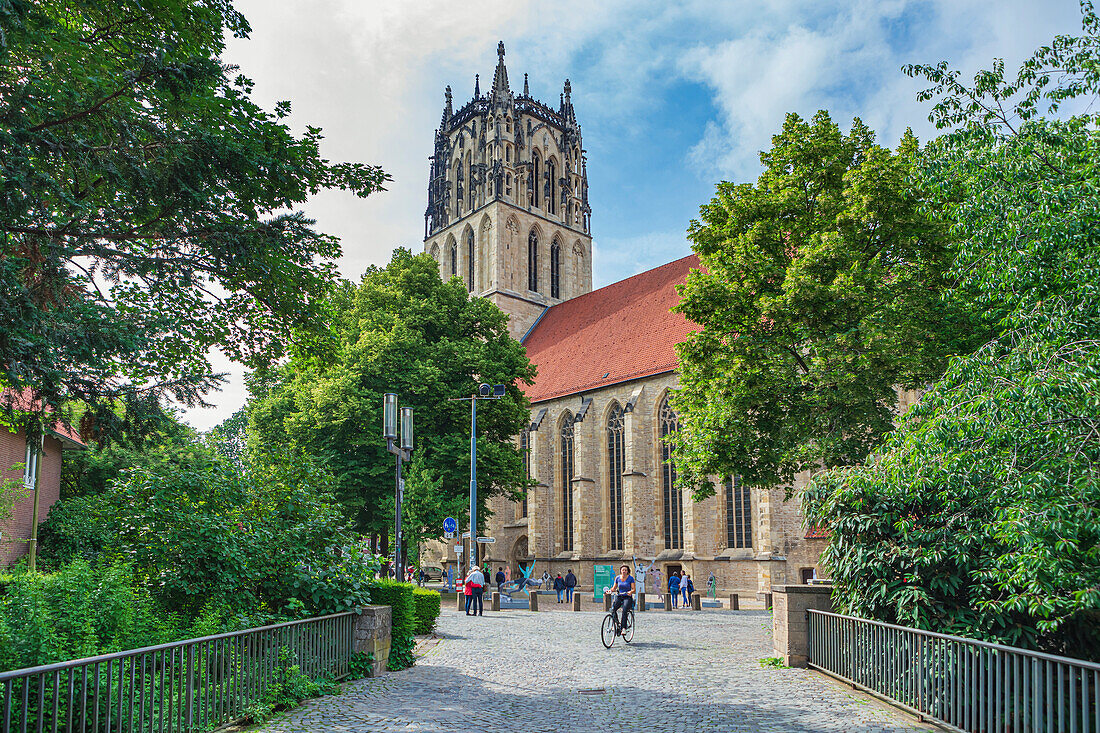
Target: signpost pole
[(473, 482)]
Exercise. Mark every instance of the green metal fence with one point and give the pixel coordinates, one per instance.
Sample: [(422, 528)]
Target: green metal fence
[(963, 684), (196, 684)]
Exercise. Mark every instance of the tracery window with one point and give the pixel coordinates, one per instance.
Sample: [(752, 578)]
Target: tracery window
[(555, 270), (738, 513), (525, 449), (536, 182), (454, 258), (551, 188), (567, 482), (616, 464), (470, 260), (533, 261), (673, 499)]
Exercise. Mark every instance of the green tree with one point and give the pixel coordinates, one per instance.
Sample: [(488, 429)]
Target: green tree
[(981, 514), (146, 212), (402, 330), (820, 293)]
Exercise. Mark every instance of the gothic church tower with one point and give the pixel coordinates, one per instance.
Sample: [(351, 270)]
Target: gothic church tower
[(508, 200)]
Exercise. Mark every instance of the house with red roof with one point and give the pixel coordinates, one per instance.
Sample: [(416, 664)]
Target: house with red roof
[(21, 464), (508, 213)]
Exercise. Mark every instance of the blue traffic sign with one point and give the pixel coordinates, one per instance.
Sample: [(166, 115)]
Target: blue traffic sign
[(450, 525)]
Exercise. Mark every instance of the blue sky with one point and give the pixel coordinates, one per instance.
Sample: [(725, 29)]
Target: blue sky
[(671, 96)]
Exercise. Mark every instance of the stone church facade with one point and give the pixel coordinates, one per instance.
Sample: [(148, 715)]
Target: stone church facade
[(508, 212)]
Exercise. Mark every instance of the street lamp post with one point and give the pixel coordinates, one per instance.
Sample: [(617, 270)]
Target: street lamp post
[(403, 451), (484, 392)]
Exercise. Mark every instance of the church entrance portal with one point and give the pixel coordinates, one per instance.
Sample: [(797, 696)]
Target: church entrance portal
[(520, 561)]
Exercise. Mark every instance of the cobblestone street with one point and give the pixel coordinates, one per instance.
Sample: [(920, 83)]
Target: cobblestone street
[(537, 672)]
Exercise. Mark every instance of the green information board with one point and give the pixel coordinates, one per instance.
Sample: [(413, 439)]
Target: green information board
[(601, 578)]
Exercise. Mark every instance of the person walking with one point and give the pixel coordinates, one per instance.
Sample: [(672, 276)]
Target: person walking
[(475, 581), (674, 588), (687, 588), (500, 579), (570, 585), (559, 586), (469, 596)]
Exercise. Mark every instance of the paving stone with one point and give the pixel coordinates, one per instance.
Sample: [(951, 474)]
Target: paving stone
[(516, 671)]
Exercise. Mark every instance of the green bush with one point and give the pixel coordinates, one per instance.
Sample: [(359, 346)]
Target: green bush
[(399, 597), (288, 687), (426, 610)]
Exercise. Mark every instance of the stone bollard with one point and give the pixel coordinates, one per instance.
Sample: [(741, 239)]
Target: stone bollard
[(534, 604), (496, 602), (697, 601), (461, 601), (735, 603), (607, 601), (641, 601), (668, 601), (576, 601)]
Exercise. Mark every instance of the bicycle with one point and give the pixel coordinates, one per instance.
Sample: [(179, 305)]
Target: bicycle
[(609, 629)]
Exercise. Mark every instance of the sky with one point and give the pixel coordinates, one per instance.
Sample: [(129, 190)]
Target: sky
[(672, 97)]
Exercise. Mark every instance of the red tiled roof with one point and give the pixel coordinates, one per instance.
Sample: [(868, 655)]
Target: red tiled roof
[(24, 402), (818, 533), (615, 334)]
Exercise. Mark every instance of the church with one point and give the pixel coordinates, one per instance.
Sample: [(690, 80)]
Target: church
[(508, 212)]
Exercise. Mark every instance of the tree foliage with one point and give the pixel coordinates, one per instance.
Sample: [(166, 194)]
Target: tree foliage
[(147, 207), (820, 293), (981, 514), (402, 330)]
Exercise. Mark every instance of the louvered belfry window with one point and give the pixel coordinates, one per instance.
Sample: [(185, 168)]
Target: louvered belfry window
[(567, 482), (673, 499), (738, 513), (616, 465), (533, 261)]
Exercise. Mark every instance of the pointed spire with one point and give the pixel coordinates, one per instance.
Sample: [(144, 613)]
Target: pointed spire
[(500, 78), (477, 85), (448, 110), (568, 90), (526, 91)]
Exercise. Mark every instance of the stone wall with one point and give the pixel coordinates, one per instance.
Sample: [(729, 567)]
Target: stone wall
[(373, 630), (790, 624)]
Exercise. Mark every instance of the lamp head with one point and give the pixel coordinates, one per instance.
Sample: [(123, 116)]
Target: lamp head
[(407, 428), (484, 390), (389, 415)]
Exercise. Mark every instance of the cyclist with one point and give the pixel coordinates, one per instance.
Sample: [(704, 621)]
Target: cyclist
[(624, 597)]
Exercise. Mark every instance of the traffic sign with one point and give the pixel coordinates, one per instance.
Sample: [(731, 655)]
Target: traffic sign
[(448, 535), (486, 540), (458, 550), (450, 525), (465, 534)]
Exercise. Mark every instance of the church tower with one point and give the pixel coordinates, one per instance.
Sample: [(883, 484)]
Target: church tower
[(508, 200)]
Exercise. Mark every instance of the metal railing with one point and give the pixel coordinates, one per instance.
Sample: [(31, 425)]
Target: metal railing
[(195, 684), (963, 684)]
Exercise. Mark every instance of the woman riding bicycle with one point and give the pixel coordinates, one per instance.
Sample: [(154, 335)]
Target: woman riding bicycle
[(624, 597)]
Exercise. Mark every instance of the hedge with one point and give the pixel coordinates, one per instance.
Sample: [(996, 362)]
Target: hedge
[(426, 609), (399, 597)]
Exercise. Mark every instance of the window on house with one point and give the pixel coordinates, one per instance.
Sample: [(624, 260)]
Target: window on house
[(738, 514), (673, 499), (533, 261), (555, 270), (30, 465), (616, 462), (567, 482)]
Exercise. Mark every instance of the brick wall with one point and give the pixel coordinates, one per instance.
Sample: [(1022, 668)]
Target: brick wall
[(17, 530)]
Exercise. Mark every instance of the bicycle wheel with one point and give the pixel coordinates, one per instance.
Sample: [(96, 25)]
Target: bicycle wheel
[(607, 631), (628, 627)]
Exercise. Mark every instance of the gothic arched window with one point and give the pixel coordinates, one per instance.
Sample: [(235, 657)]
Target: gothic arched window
[(567, 482), (673, 500), (536, 181), (454, 258), (470, 260), (551, 187), (525, 450), (555, 270), (616, 465), (738, 513), (533, 261)]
